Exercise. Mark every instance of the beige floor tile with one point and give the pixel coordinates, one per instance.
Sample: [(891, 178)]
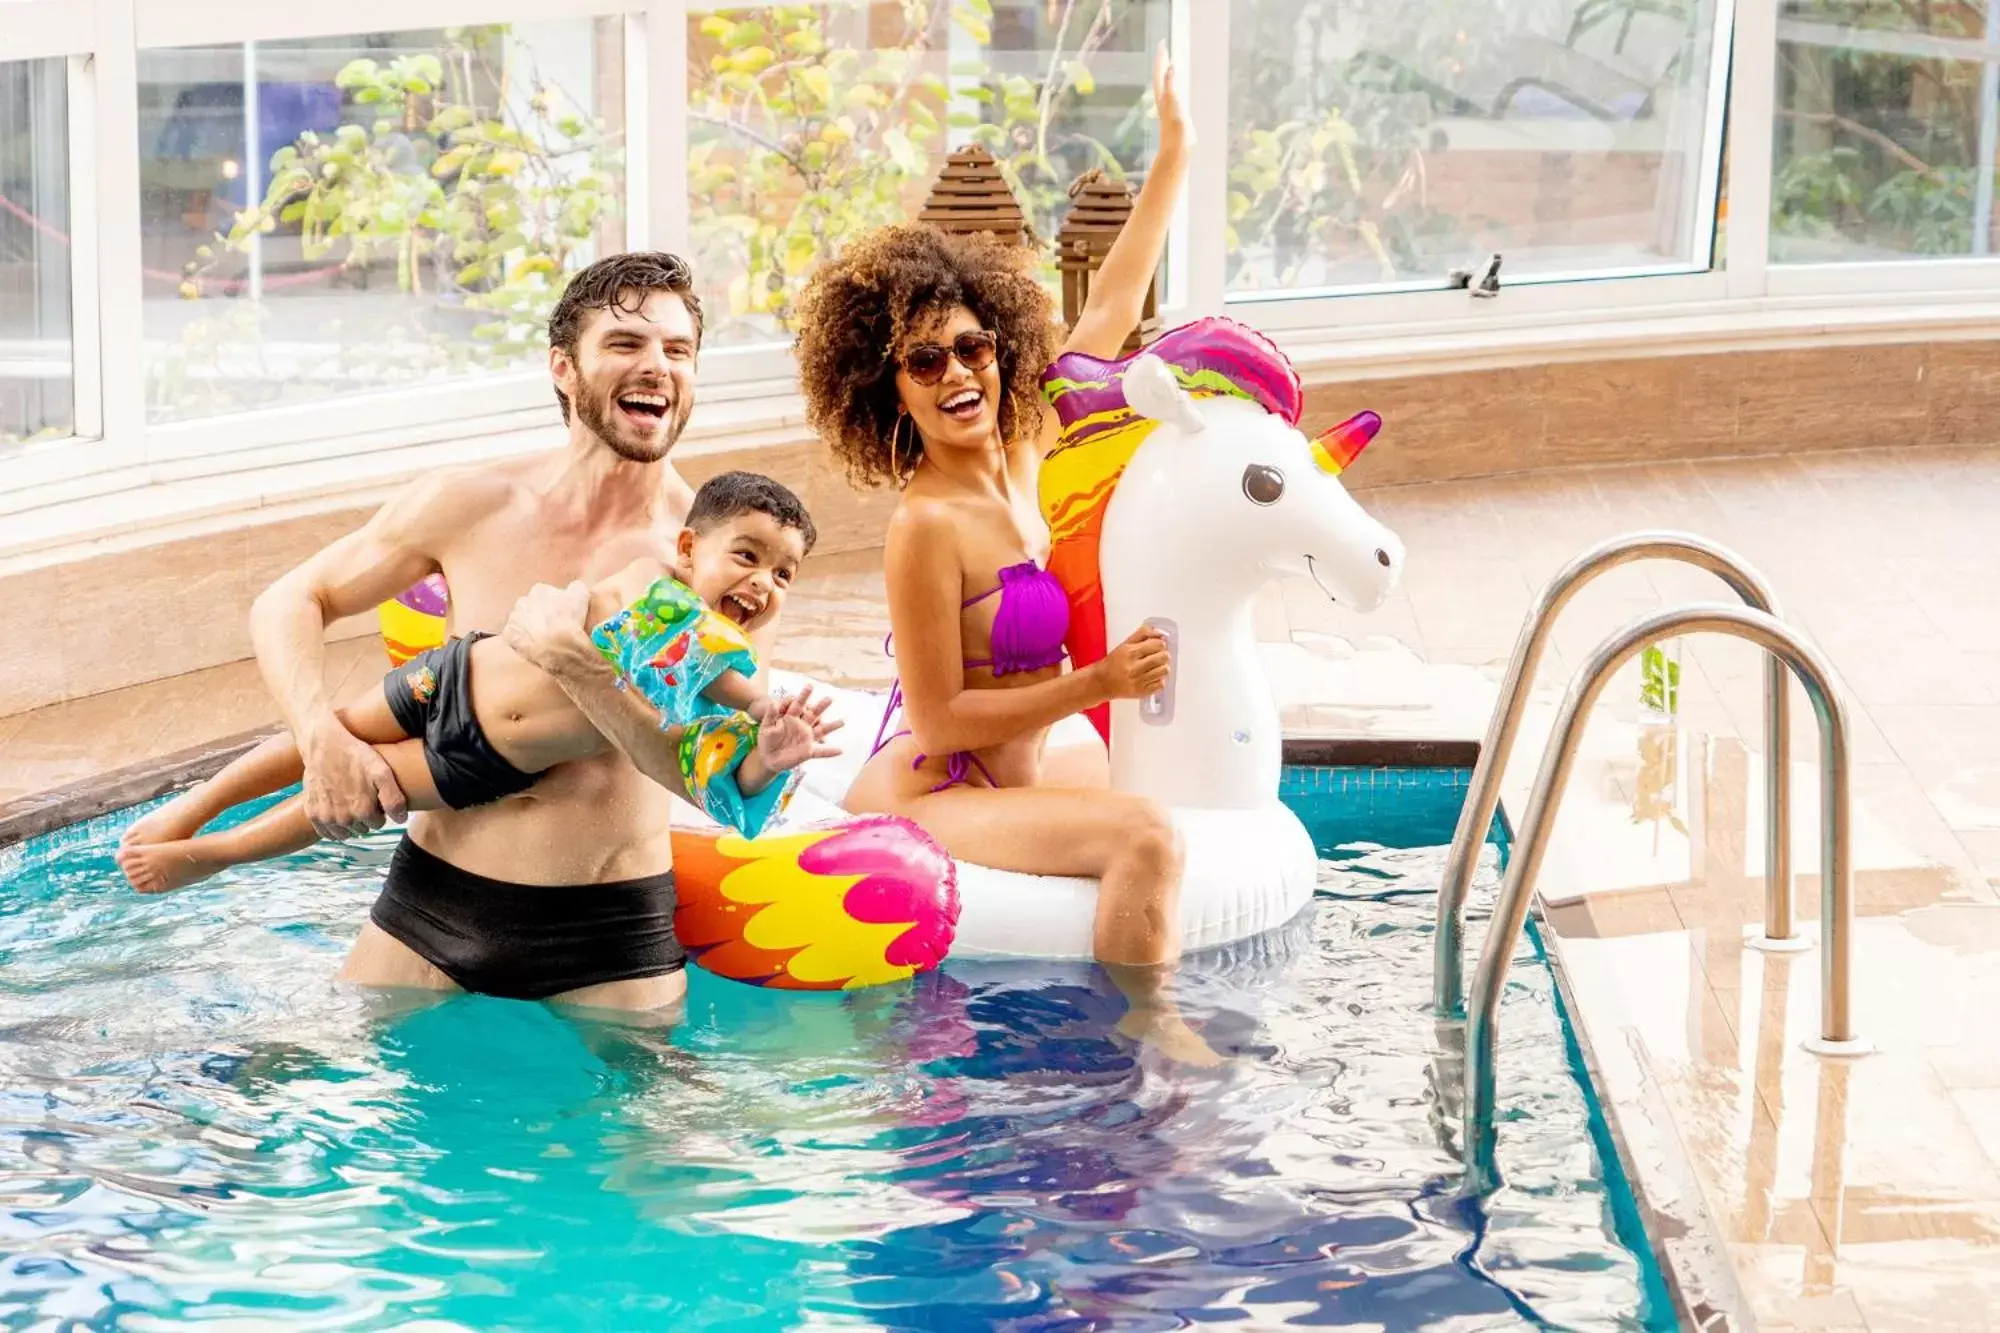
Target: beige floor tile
[(1492, 659), (1466, 601), (1893, 794), (1883, 1125), (1675, 494), (1981, 1109), (1913, 1293), (220, 701), (1859, 1221), (80, 739), (1643, 913), (32, 649), (1983, 846), (72, 741), (1896, 656), (1606, 607), (364, 662), (1954, 754), (1961, 1068), (1453, 519), (1742, 699), (11, 727)]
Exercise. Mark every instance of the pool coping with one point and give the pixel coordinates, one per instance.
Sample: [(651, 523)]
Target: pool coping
[(1687, 1244), (30, 816), (1685, 1241), (42, 812)]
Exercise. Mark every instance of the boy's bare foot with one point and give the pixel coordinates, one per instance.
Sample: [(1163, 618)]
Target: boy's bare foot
[(162, 867), (178, 819), (1167, 1032)]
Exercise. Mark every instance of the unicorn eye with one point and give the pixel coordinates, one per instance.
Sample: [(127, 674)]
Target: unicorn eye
[(1263, 484)]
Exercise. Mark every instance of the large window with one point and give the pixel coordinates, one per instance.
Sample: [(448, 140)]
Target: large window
[(1377, 143), (808, 124), (236, 234), (37, 379), (1885, 131), (337, 215)]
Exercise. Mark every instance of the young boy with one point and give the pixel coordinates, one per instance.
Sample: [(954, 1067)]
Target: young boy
[(470, 722)]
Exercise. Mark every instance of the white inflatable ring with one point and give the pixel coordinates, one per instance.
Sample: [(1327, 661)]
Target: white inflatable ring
[(1247, 871)]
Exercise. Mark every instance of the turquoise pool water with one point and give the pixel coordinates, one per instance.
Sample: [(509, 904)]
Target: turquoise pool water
[(196, 1125)]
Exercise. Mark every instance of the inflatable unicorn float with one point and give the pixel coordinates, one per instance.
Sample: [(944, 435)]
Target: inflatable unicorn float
[(1181, 484)]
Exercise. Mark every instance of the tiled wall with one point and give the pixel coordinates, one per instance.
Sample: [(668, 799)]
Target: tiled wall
[(125, 616), (1529, 418)]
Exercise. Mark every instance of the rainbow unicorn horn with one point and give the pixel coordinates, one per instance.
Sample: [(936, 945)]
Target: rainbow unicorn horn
[(1339, 446)]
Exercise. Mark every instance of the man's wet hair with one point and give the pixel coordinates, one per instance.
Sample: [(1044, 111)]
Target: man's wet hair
[(732, 494), (622, 283)]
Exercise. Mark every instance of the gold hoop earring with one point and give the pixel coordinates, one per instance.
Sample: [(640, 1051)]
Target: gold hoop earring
[(896, 438)]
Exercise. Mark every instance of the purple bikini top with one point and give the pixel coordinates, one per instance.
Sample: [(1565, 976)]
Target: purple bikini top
[(1029, 624)]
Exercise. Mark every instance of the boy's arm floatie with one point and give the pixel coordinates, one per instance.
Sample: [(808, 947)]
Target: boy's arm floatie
[(674, 651), (712, 751)]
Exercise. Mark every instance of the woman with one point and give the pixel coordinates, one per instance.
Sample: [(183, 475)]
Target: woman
[(920, 356)]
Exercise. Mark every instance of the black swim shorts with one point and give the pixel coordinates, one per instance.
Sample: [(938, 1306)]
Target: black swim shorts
[(525, 941), (431, 698)]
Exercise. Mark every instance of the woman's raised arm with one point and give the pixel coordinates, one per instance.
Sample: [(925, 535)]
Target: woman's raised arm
[(1118, 291)]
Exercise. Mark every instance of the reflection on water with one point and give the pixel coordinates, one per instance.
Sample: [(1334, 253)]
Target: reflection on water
[(196, 1123)]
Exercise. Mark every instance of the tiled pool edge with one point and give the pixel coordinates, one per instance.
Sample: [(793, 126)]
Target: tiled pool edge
[(1687, 1244), (44, 812)]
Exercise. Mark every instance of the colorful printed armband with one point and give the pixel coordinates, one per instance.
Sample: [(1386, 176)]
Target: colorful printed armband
[(672, 648), (711, 751)]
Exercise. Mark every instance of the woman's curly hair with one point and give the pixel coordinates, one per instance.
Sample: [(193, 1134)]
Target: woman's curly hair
[(857, 309)]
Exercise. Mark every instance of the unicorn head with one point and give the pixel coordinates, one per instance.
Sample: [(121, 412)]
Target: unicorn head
[(1180, 485), (1266, 500)]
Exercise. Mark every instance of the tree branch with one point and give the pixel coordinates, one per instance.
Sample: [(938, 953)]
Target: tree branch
[(761, 140), (1874, 136)]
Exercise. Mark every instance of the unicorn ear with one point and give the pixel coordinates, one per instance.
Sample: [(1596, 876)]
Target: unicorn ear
[(1153, 392)]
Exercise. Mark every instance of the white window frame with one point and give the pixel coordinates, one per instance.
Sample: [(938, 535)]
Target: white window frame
[(231, 22), (39, 29), (77, 31), (114, 448), (1943, 274), (1605, 292)]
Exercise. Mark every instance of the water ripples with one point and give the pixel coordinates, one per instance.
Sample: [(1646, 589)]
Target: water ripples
[(195, 1122)]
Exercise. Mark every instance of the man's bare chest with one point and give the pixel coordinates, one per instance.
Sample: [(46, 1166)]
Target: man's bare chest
[(490, 569)]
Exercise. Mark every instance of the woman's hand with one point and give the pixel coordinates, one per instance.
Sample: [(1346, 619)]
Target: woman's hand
[(1176, 130), (1137, 667)]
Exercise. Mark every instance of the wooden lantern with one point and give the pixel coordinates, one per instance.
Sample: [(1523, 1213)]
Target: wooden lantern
[(972, 196), (1099, 209)]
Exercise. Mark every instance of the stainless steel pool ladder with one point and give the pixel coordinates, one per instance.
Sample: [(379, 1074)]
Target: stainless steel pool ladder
[(1787, 651), (1482, 797)]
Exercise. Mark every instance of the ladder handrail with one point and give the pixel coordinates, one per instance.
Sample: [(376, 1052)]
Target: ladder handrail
[(1785, 645), (1482, 797)]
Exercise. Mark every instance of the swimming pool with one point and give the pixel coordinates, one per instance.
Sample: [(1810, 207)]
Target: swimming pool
[(195, 1123)]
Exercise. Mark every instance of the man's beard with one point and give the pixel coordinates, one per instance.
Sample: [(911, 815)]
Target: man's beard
[(601, 415)]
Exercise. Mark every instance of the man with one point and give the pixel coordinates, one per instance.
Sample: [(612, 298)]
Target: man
[(564, 892)]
